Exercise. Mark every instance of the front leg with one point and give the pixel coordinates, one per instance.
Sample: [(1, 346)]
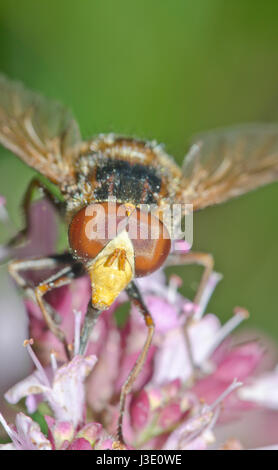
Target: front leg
[(135, 296), (33, 186), (64, 276)]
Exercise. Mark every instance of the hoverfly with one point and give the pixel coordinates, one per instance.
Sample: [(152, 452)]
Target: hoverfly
[(219, 165)]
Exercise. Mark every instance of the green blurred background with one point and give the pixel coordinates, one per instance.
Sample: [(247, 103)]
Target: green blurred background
[(162, 69)]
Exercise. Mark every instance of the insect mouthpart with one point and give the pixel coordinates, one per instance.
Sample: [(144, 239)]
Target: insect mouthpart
[(111, 271)]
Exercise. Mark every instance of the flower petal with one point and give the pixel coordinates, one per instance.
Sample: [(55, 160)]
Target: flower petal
[(68, 394), (29, 386), (80, 444), (43, 233), (59, 432), (240, 362), (185, 434), (30, 434), (263, 390), (91, 432)]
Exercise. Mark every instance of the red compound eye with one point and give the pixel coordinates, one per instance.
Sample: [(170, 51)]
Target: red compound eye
[(93, 227), (151, 242)]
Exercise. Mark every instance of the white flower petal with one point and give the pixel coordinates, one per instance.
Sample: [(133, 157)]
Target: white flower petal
[(188, 432), (172, 360), (263, 390), (30, 434), (29, 386), (68, 395)]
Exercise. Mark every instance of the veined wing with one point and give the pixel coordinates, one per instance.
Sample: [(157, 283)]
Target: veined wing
[(229, 162), (41, 132)]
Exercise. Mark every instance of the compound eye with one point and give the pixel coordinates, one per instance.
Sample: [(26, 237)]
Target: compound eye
[(89, 232), (152, 243), (81, 242)]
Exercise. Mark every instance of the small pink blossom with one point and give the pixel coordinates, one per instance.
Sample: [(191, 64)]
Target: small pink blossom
[(64, 391), (26, 435), (63, 436), (240, 362)]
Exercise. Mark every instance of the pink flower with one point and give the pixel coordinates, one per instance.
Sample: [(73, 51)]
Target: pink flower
[(26, 435), (42, 236), (64, 392), (65, 301), (63, 436), (240, 362), (178, 373), (194, 381)]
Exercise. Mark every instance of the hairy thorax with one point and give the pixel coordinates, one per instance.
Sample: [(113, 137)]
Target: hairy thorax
[(126, 170)]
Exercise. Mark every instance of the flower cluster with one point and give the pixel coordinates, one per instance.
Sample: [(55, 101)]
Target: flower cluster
[(196, 381)]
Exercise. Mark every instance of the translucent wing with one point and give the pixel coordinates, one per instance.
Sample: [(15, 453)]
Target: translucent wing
[(229, 162), (41, 132)]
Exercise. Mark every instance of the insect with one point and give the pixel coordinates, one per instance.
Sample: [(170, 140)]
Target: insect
[(87, 173)]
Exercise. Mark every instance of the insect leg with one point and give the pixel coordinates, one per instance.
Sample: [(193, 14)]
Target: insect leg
[(136, 298), (203, 259), (26, 203), (61, 278)]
